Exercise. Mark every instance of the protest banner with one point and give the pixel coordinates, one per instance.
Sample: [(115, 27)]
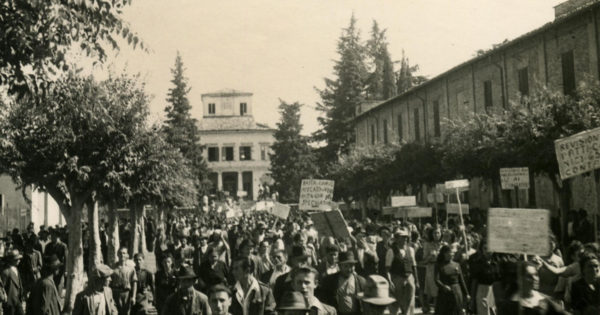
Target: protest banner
[(413, 212), (330, 223), (454, 208), (514, 177), (314, 193), (578, 153), (404, 201), (519, 231), (280, 210), (457, 184)]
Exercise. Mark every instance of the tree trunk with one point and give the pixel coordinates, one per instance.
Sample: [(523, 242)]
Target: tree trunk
[(75, 258), (95, 255), (138, 238), (113, 243)]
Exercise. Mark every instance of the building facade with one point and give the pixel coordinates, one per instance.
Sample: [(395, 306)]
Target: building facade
[(236, 147), (20, 207), (558, 55)]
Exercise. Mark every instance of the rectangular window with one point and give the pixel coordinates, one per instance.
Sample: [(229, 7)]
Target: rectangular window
[(524, 81), (385, 131), (400, 133), (372, 134), (487, 93), (228, 153), (212, 109), (264, 152), (417, 125), (213, 154), (436, 118), (243, 109), (568, 73), (245, 153)]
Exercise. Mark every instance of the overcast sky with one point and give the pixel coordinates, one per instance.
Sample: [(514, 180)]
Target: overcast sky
[(282, 49)]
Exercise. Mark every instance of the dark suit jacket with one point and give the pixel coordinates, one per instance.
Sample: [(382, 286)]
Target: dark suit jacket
[(329, 285), (282, 285), (13, 287), (261, 303), (44, 299), (84, 304), (177, 304), (368, 266)]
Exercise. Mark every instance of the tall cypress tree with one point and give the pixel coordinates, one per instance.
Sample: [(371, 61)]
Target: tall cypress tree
[(181, 129), (342, 95), (292, 159), (382, 81)]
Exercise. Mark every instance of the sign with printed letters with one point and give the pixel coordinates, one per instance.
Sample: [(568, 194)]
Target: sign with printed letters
[(514, 177), (578, 154), (314, 193)]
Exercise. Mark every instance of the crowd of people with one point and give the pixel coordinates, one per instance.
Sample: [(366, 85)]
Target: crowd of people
[(256, 263)]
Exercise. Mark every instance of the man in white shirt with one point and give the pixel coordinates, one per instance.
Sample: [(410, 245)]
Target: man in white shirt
[(280, 267)]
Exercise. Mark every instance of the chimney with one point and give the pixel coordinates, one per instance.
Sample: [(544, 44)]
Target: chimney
[(571, 6)]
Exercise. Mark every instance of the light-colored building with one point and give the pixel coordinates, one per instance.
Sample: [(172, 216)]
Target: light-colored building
[(17, 210), (236, 147)]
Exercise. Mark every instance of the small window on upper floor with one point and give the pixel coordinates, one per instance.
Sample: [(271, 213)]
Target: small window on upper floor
[(212, 108), (243, 109), (245, 153), (568, 73), (524, 81), (436, 118), (213, 154), (228, 153)]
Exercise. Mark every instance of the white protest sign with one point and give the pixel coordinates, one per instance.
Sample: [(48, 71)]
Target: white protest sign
[(413, 212), (280, 210), (242, 193), (452, 208), (404, 201), (519, 231), (314, 193), (514, 177), (457, 184), (578, 153)]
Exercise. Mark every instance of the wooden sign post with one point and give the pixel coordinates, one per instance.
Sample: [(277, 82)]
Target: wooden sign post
[(457, 185)]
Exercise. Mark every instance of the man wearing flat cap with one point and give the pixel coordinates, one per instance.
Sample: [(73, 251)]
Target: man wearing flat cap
[(13, 286), (44, 298), (187, 300), (97, 298)]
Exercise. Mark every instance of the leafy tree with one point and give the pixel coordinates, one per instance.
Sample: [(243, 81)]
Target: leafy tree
[(72, 143), (381, 82), (342, 95), (292, 159), (181, 129), (36, 34)]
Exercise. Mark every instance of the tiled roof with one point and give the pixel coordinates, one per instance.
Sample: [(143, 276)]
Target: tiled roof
[(230, 123)]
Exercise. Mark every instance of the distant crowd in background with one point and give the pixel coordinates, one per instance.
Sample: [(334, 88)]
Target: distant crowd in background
[(206, 263)]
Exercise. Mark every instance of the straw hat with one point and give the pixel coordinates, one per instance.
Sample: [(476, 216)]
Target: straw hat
[(377, 291)]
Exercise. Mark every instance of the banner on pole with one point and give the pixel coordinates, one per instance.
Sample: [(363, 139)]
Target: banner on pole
[(280, 210), (330, 223), (409, 212), (314, 193), (514, 177), (519, 231), (452, 208), (404, 201), (578, 153)]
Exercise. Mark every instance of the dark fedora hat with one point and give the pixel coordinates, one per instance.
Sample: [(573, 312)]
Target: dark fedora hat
[(346, 258), (186, 272), (13, 255), (299, 252), (52, 262), (293, 301)]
